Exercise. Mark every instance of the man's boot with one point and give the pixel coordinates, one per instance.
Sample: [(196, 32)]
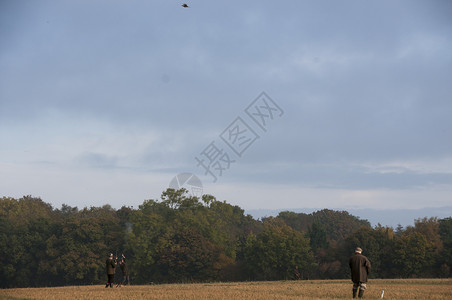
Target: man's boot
[(354, 293), (361, 293)]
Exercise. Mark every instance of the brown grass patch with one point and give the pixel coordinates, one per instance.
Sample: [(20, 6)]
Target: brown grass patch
[(315, 289)]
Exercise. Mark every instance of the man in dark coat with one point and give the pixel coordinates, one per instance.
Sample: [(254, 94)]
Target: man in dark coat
[(111, 268), (125, 272), (360, 268)]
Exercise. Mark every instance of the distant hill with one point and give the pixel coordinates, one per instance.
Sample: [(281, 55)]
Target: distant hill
[(385, 217)]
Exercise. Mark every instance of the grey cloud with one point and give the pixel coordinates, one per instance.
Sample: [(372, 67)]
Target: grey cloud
[(111, 64), (358, 81), (97, 160), (334, 176)]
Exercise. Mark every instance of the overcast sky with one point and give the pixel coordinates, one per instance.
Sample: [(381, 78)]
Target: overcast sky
[(107, 101)]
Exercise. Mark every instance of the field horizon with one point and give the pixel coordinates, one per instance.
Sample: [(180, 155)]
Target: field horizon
[(300, 289)]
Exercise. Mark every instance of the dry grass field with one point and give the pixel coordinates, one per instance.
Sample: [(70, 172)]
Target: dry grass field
[(316, 289)]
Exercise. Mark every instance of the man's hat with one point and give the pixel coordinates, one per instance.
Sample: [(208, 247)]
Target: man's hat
[(358, 250), (111, 254)]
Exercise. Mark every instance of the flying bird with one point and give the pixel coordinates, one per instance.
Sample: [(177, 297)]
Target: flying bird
[(185, 5)]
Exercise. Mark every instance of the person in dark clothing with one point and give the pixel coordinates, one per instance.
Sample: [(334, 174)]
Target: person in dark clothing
[(360, 268), (296, 273), (111, 268), (125, 272)]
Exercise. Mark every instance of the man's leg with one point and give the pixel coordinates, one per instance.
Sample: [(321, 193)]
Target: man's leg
[(355, 289), (123, 281), (362, 288)]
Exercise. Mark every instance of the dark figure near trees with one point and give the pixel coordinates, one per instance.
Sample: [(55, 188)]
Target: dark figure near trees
[(296, 273), (360, 268), (111, 268), (125, 271)]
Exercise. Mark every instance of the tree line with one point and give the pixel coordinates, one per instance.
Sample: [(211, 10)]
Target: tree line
[(181, 238)]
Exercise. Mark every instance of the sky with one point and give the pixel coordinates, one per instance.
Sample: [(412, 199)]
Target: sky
[(267, 104)]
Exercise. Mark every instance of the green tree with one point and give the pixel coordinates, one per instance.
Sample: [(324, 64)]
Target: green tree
[(274, 253), (337, 224), (318, 236), (445, 256), (164, 232), (25, 225), (412, 254)]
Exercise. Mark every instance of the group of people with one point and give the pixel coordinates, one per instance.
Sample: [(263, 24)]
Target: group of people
[(359, 267), (111, 265)]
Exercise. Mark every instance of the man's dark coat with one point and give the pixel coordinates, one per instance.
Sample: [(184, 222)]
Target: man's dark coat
[(111, 267), (360, 268)]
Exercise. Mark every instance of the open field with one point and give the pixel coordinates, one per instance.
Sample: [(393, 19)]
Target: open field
[(315, 289)]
